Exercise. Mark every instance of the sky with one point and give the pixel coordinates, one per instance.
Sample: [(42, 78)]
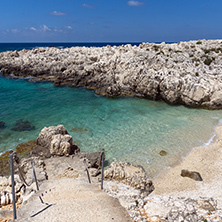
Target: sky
[(109, 20)]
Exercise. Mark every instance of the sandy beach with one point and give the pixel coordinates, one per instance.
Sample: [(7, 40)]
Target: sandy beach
[(206, 160), (175, 194)]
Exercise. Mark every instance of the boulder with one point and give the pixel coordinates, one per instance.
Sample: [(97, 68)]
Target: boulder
[(129, 174), (191, 174), (55, 141), (94, 160)]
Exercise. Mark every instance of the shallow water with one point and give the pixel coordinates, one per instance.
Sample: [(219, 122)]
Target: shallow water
[(129, 129)]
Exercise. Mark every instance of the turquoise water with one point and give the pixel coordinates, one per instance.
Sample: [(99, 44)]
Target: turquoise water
[(129, 129)]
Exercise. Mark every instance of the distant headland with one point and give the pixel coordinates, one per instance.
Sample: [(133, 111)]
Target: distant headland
[(188, 73)]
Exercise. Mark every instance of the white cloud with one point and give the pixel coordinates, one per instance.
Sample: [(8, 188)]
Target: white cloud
[(134, 3), (87, 6), (15, 30), (45, 28), (33, 29), (57, 13), (68, 27)]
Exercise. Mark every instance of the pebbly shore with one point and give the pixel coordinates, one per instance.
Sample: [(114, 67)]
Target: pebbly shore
[(188, 73)]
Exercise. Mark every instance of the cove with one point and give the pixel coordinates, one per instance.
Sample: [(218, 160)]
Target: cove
[(129, 129)]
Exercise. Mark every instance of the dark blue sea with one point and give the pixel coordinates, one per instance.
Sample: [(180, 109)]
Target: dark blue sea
[(129, 129)]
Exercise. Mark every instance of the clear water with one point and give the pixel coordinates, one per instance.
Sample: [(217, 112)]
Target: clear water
[(129, 129)]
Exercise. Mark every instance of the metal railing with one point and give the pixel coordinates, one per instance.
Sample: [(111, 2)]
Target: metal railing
[(102, 173), (12, 157)]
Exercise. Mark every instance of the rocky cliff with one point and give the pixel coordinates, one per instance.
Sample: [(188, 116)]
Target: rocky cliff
[(187, 73)]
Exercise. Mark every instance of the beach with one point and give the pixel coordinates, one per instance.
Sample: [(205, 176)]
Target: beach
[(171, 188), (175, 198)]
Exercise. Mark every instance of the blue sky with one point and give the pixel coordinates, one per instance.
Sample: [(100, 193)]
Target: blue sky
[(109, 20)]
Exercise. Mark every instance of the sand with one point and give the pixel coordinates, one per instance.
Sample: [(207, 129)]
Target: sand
[(206, 160)]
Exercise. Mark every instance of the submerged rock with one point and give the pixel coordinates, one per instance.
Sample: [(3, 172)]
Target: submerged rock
[(23, 125), (134, 176), (163, 153), (80, 130), (4, 136), (2, 125)]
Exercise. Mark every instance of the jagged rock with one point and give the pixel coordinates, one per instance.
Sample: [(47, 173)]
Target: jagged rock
[(23, 150), (94, 160), (179, 73), (191, 174), (56, 141), (134, 176), (5, 163)]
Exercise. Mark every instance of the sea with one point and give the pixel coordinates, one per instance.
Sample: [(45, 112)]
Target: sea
[(129, 129)]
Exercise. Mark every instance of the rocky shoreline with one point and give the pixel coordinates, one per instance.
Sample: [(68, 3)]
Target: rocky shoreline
[(188, 73), (172, 196), (54, 147)]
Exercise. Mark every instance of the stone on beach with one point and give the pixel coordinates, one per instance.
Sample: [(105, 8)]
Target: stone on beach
[(191, 174)]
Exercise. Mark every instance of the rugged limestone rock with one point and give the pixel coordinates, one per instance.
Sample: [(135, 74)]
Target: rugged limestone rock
[(191, 174), (187, 73), (134, 176), (94, 160), (54, 141)]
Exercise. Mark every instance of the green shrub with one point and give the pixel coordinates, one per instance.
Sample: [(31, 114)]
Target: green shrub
[(156, 48), (178, 51), (195, 59), (199, 43), (208, 61)]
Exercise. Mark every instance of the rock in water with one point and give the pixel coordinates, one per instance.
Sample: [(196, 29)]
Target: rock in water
[(191, 174), (23, 125), (163, 153), (134, 176), (2, 125)]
